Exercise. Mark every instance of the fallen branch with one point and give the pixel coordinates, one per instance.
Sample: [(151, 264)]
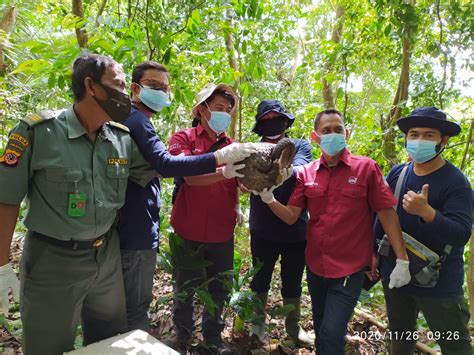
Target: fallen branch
[(420, 346)]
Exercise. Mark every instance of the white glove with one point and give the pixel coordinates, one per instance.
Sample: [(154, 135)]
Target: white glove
[(230, 170), (267, 195), (240, 215), (234, 152), (400, 275), (8, 280)]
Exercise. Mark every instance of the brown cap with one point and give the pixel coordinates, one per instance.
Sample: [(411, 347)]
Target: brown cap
[(207, 91)]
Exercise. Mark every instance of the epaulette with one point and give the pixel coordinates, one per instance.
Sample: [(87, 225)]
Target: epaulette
[(119, 126), (40, 117)]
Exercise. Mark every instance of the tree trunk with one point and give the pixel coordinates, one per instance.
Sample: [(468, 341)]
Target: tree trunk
[(470, 273), (465, 156), (328, 94), (6, 27), (401, 96), (232, 55), (81, 34)]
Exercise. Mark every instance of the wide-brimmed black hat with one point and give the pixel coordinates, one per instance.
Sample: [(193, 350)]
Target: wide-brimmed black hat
[(267, 106), (428, 116)]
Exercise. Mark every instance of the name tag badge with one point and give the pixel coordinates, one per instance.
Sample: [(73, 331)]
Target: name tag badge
[(76, 205)]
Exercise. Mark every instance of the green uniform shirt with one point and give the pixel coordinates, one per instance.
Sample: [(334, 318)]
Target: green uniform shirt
[(46, 160)]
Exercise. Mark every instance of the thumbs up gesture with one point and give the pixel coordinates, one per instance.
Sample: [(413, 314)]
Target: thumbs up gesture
[(417, 204)]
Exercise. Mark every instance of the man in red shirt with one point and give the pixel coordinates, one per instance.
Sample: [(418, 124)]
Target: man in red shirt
[(204, 215), (342, 192)]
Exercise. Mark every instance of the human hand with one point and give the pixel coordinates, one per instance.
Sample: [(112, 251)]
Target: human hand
[(267, 195), (240, 215), (400, 275), (373, 273), (8, 280), (229, 171), (416, 203), (234, 152)]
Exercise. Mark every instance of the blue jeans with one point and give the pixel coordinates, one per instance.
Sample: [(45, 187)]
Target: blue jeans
[(333, 301), (138, 268)]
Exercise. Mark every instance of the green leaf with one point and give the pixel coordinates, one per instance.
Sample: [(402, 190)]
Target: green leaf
[(281, 311), (206, 298)]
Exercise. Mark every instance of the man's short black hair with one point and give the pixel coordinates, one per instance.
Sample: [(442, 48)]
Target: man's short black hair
[(225, 94), (326, 112), (88, 65), (140, 69)]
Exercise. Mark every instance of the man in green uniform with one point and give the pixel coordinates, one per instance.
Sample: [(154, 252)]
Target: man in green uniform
[(73, 168)]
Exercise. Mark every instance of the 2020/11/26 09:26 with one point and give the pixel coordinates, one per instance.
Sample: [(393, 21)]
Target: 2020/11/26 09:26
[(408, 335)]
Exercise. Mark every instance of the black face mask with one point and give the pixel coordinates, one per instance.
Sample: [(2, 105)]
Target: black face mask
[(272, 127), (117, 105)]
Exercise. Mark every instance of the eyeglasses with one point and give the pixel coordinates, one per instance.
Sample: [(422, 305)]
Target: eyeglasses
[(156, 85)]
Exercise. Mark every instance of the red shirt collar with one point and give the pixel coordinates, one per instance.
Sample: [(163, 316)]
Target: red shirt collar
[(345, 158)]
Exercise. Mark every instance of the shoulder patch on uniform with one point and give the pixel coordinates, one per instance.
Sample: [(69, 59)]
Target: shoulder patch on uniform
[(40, 117), (119, 126)]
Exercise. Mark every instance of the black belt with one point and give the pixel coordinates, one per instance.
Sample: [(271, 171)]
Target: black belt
[(72, 244)]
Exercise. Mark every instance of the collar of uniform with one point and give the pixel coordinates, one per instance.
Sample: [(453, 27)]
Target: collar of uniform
[(344, 158), (106, 132), (74, 127), (201, 131)]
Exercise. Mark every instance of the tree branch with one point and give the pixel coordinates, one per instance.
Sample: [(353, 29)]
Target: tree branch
[(100, 11)]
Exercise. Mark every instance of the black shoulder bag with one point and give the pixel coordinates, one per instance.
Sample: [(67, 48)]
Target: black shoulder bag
[(424, 262)]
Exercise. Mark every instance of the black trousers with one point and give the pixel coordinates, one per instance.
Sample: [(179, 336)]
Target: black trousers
[(202, 266), (292, 265)]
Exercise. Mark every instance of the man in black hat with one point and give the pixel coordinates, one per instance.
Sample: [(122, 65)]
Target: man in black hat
[(435, 208), (270, 237)]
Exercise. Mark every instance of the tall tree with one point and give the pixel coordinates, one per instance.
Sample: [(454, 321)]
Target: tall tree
[(410, 21), (328, 92)]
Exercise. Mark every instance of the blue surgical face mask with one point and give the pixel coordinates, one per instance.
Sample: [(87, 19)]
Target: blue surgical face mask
[(422, 151), (154, 99), (332, 143), (219, 121)]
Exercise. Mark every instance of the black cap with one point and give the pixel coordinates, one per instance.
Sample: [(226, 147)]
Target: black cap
[(429, 116), (267, 106)]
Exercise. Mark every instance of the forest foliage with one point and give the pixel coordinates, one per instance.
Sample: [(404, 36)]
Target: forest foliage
[(374, 60)]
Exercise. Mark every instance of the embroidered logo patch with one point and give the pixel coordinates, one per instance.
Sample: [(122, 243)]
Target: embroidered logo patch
[(117, 161), (352, 180), (10, 158), (18, 140)]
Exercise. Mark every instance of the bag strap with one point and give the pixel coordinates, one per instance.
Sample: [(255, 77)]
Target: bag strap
[(216, 145), (398, 188), (400, 182)]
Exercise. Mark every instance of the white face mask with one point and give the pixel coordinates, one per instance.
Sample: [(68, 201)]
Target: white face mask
[(219, 121)]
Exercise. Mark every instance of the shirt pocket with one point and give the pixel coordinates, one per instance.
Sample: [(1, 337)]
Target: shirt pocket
[(60, 182), (116, 185), (354, 196), (315, 200)]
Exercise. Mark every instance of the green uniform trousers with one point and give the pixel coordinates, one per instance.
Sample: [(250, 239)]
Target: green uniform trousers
[(61, 286), (447, 318)]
